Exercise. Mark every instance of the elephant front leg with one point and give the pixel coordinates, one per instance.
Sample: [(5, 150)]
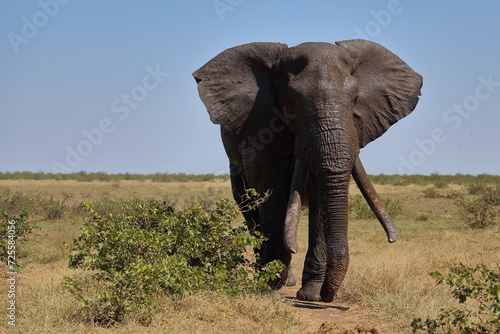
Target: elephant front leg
[(315, 262)]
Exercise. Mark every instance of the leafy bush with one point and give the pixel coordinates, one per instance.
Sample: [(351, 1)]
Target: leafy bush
[(495, 196), (16, 202), (55, 209), (479, 212), (106, 206), (34, 204), (206, 198), (431, 193), (478, 283), (454, 195), (440, 183), (422, 217), (12, 230), (150, 248), (475, 188), (361, 210)]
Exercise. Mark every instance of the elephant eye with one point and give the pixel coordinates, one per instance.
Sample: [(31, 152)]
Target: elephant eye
[(356, 100)]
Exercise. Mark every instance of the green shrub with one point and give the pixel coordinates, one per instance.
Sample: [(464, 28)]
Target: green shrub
[(422, 217), (431, 193), (475, 188), (495, 196), (34, 204), (12, 230), (454, 195), (206, 198), (479, 212), (440, 183), (106, 206), (478, 283), (150, 248), (55, 209), (16, 202), (361, 210)]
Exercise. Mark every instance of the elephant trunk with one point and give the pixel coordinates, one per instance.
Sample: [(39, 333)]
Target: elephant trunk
[(294, 205), (331, 165), (333, 194)]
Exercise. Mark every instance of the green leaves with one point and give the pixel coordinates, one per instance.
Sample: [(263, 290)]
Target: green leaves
[(480, 212), (359, 209), (478, 283), (149, 248), (12, 230)]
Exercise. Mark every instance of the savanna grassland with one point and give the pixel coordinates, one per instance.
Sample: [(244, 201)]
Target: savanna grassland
[(389, 281)]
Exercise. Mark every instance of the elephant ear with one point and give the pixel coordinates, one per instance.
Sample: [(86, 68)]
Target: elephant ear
[(388, 88), (237, 81)]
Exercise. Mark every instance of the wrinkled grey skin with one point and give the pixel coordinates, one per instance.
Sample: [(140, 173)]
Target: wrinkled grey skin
[(293, 121)]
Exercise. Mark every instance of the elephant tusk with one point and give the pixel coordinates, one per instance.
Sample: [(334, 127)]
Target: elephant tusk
[(294, 205), (371, 196)]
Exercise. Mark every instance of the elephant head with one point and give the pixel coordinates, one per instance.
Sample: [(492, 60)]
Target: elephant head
[(337, 98)]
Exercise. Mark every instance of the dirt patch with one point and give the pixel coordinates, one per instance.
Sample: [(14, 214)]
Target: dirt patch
[(328, 328), (335, 317)]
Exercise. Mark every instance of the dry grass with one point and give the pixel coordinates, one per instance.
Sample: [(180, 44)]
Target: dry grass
[(392, 279), (212, 313), (44, 307), (177, 192)]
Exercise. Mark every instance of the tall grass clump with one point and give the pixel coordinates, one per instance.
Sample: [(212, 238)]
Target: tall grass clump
[(150, 249)]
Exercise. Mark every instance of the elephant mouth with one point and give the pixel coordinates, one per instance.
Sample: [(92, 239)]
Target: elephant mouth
[(298, 188)]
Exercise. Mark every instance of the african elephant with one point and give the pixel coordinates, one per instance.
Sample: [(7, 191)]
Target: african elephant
[(293, 121)]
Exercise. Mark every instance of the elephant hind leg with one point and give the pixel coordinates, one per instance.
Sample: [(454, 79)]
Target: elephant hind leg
[(273, 248), (271, 214)]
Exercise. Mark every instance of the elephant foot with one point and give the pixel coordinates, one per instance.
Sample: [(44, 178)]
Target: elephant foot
[(310, 292), (287, 279), (276, 284), (290, 278)]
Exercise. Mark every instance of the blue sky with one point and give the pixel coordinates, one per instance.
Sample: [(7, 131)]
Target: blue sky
[(107, 86)]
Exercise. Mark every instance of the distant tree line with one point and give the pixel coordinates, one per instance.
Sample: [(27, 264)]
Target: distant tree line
[(436, 179), (101, 176), (396, 180)]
